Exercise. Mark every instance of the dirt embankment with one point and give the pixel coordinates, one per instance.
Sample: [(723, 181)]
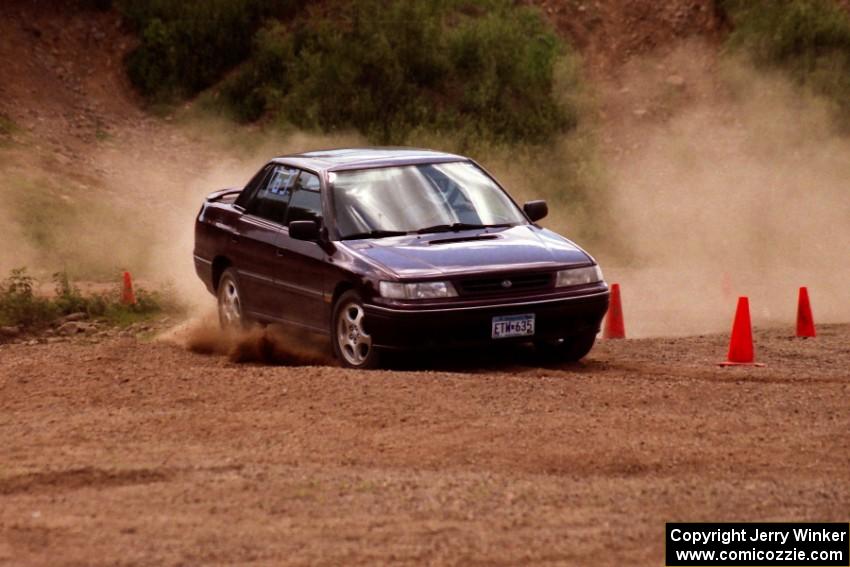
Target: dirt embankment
[(609, 33), (62, 78)]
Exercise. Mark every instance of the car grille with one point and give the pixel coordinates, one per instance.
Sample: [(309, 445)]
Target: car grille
[(492, 285)]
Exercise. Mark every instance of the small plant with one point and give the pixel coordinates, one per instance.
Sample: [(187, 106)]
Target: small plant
[(19, 304), (68, 297)]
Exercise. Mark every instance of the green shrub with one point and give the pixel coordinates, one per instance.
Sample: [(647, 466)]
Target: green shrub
[(480, 68), (808, 39), (69, 299), (250, 91), (503, 64), (477, 69), (187, 45), (371, 74)]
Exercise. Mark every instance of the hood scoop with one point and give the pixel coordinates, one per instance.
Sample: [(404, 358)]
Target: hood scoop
[(462, 239)]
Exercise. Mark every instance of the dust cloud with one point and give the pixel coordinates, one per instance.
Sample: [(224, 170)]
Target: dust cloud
[(740, 189), (272, 344), (174, 187)]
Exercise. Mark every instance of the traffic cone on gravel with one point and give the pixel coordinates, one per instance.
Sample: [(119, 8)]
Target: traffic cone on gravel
[(741, 351), (128, 296), (615, 327), (805, 321)]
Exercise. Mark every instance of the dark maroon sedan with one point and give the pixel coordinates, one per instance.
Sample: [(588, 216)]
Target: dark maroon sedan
[(387, 249)]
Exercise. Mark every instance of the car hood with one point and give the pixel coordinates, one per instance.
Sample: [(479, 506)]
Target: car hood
[(451, 253)]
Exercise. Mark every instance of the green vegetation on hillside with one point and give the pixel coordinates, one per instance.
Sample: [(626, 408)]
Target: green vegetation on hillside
[(807, 39), (187, 45), (474, 68)]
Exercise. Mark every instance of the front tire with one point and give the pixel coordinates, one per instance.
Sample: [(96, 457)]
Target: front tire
[(352, 344), (569, 349), (230, 314)]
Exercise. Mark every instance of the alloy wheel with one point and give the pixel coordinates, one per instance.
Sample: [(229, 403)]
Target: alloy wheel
[(354, 343), (229, 304)]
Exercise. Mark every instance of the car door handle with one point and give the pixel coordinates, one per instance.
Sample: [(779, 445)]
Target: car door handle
[(279, 252), (234, 238)]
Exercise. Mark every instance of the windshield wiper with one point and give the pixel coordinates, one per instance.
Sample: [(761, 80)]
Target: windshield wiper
[(458, 226), (374, 234)]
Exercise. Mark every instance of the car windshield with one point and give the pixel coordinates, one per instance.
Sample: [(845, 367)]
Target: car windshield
[(434, 197)]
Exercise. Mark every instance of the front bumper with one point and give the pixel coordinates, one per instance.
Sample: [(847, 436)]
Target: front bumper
[(555, 318)]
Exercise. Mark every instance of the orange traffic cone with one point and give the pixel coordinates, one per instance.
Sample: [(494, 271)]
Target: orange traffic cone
[(741, 350), (805, 321), (615, 327), (128, 296)]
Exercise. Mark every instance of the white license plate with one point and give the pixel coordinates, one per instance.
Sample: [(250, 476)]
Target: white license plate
[(505, 326)]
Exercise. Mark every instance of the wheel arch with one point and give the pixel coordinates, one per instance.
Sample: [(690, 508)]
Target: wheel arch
[(341, 288), (219, 265)]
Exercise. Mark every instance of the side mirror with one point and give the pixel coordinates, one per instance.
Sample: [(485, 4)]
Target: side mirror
[(304, 230), (535, 210)]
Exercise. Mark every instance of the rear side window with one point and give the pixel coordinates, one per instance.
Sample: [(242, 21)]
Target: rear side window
[(272, 200), (306, 201), (248, 192)]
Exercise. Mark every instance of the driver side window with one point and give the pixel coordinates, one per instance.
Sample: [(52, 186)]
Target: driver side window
[(306, 203), (272, 199)]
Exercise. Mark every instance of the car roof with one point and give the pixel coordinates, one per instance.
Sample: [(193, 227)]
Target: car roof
[(364, 158)]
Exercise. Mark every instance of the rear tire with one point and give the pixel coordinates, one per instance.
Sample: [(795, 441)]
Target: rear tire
[(230, 313), (351, 343), (569, 349)]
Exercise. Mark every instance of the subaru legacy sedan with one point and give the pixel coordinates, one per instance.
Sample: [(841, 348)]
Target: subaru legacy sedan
[(392, 249)]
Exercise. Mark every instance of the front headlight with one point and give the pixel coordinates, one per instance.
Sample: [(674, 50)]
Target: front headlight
[(425, 290), (579, 276)]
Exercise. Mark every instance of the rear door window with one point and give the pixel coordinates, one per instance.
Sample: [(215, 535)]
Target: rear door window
[(248, 191), (272, 200), (306, 203)]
